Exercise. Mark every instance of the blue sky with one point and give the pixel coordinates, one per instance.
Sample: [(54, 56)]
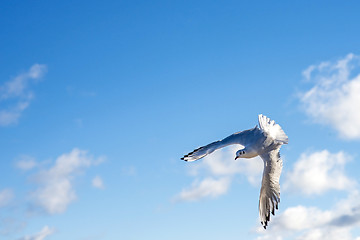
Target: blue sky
[(98, 103)]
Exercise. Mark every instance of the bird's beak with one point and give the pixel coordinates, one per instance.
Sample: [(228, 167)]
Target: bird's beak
[(236, 157)]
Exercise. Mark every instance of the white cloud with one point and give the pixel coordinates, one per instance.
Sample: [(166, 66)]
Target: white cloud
[(55, 195), (312, 223), (335, 97), (300, 218), (56, 189), (218, 170), (37, 71), (15, 95), (26, 163), (208, 187), (326, 233), (12, 114), (6, 195), (97, 182), (46, 231), (318, 172)]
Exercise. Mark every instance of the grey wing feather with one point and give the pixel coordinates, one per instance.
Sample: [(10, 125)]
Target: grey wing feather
[(270, 186), (236, 138)]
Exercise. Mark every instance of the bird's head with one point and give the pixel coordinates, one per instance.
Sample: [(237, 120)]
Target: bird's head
[(239, 153)]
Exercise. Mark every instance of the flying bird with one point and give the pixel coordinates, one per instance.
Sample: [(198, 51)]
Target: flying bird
[(265, 141)]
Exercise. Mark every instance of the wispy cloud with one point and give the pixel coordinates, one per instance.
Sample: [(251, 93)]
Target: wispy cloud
[(318, 172), (97, 182), (26, 163), (6, 195), (11, 225), (208, 187), (56, 191), (46, 231), (334, 99), (215, 173), (128, 171), (16, 96)]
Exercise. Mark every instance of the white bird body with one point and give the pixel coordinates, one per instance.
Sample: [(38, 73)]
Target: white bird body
[(264, 141)]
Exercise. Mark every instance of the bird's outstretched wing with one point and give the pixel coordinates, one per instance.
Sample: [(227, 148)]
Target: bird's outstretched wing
[(272, 129), (240, 138), (270, 187)]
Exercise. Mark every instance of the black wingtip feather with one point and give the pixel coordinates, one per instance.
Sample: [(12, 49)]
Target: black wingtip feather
[(190, 153), (264, 224)]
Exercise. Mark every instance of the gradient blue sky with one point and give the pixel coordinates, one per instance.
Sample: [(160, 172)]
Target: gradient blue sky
[(98, 102)]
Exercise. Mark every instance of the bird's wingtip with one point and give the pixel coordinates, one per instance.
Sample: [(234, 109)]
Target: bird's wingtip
[(264, 225)]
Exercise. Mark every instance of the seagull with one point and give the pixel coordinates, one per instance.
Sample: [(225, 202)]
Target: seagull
[(265, 141)]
